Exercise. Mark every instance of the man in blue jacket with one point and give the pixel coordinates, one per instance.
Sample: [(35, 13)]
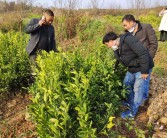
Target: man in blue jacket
[(129, 51), (42, 35)]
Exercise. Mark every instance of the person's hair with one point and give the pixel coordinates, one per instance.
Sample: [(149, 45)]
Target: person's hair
[(128, 17), (49, 12), (166, 8), (109, 36)]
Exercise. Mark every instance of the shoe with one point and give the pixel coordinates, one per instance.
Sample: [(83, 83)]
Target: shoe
[(145, 101), (126, 104), (127, 115)]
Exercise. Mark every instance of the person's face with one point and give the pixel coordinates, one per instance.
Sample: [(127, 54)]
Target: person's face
[(48, 19), (128, 24), (110, 43)]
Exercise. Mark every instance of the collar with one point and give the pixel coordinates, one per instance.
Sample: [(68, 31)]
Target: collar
[(139, 26)]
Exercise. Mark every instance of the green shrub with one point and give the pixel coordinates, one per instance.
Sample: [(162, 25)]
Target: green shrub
[(152, 19), (75, 93), (14, 61), (160, 60), (90, 29)]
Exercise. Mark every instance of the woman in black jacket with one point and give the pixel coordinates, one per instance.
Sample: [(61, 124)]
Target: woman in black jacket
[(129, 51)]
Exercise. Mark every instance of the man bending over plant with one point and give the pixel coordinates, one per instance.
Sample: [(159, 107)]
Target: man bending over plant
[(130, 52)]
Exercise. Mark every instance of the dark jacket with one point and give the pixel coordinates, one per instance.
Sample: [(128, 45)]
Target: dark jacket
[(147, 36), (33, 28), (133, 54)]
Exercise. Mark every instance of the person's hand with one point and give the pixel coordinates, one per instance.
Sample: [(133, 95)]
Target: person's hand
[(144, 76), (163, 10), (42, 22)]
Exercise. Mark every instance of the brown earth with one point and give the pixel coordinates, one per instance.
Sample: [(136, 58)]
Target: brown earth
[(14, 118)]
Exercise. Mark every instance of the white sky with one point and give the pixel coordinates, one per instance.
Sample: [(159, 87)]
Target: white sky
[(124, 4)]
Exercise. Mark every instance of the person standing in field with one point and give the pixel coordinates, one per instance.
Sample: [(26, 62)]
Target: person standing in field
[(42, 35), (146, 34), (130, 52), (163, 25)]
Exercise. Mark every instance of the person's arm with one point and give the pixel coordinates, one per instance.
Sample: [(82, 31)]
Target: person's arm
[(153, 43), (32, 26), (53, 42), (161, 13), (133, 63), (143, 56), (118, 58)]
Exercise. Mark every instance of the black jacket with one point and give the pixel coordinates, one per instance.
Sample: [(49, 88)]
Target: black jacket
[(133, 54), (33, 28)]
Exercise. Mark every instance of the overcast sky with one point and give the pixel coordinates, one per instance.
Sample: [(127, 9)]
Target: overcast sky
[(124, 4)]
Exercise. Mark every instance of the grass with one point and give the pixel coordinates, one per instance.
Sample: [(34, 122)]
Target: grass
[(160, 60)]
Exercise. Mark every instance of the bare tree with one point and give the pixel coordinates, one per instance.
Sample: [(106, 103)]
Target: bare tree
[(115, 5), (137, 4), (67, 9), (58, 3), (24, 4), (164, 2), (95, 4), (67, 4), (72, 4)]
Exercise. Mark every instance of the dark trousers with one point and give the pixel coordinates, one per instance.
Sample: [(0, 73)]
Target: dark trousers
[(163, 36)]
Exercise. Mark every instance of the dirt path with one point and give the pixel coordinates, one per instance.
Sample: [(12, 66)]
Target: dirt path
[(14, 122)]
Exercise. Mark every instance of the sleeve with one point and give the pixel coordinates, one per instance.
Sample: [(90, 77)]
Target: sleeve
[(119, 58), (53, 42), (138, 48), (133, 62), (161, 13), (153, 43), (32, 26)]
